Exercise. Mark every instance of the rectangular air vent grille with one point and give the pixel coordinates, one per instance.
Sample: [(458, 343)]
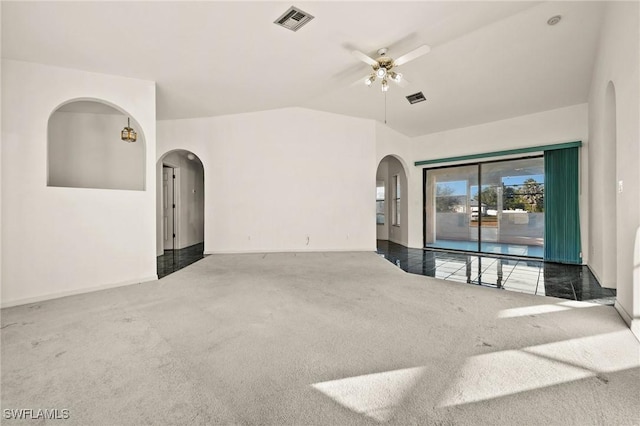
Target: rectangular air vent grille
[(293, 19), (416, 97)]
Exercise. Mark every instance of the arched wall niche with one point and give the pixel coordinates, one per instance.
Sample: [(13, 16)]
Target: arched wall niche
[(84, 149)]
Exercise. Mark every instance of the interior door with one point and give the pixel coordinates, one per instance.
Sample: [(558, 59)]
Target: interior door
[(168, 207)]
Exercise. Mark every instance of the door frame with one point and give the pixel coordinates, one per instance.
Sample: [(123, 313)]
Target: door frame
[(478, 164), (176, 201)]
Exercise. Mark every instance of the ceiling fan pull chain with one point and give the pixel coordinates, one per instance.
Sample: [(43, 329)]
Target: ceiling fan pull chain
[(385, 107)]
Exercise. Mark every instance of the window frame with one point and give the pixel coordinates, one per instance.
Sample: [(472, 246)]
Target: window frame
[(395, 205), (381, 184)]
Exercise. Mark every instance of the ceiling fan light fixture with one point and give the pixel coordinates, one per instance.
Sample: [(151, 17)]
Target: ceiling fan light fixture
[(384, 65), (397, 77)]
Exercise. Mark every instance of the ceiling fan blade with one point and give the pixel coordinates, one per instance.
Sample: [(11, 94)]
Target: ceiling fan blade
[(416, 53), (364, 58), (360, 81)]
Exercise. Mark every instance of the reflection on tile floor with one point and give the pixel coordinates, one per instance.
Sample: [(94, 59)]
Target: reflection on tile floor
[(489, 247), (574, 282), (172, 260)]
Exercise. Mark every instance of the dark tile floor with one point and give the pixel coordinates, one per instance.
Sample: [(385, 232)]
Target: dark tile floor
[(573, 282), (172, 260)]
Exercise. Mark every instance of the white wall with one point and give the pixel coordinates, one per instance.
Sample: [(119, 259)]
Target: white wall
[(85, 151), (1, 240), (190, 197), (556, 126), (58, 241), (617, 62), (282, 180)]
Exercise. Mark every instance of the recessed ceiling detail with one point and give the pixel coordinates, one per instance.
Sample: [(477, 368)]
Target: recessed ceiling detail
[(293, 19), (416, 97)]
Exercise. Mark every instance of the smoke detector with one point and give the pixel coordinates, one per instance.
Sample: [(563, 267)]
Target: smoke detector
[(554, 20)]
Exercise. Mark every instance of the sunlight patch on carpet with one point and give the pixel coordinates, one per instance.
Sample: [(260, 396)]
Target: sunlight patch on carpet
[(373, 395), (503, 373), (544, 309), (602, 353)]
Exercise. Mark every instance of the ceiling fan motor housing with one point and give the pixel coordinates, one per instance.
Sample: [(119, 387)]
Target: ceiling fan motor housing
[(385, 62)]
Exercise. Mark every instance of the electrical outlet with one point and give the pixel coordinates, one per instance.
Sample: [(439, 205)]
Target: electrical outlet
[(620, 186)]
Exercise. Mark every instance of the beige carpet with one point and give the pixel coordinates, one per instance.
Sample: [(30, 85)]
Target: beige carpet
[(318, 338)]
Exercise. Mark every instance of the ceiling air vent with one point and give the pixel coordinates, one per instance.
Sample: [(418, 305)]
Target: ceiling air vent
[(293, 19), (416, 97)]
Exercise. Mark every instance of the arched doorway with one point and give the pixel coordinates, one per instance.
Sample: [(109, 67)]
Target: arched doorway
[(180, 211), (391, 201)]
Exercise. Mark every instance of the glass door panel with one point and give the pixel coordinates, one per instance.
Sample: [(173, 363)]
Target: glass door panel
[(448, 210), (513, 222)]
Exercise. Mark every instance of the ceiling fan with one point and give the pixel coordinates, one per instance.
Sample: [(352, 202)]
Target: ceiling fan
[(384, 66)]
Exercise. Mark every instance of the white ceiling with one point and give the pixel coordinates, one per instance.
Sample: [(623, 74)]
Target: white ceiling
[(489, 60)]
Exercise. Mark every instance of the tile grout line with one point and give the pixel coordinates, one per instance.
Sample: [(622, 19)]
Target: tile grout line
[(511, 272)]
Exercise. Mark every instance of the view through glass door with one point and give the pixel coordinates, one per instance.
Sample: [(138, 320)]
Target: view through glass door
[(493, 207)]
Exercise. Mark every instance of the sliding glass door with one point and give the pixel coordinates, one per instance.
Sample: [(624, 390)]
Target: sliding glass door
[(493, 207)]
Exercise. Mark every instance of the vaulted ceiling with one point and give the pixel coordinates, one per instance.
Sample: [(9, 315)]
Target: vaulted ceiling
[(489, 60)]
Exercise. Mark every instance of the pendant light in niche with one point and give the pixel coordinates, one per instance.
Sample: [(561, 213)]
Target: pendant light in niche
[(128, 134)]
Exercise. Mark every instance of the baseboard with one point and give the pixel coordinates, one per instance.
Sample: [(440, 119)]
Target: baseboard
[(633, 323), (597, 277), (624, 314), (635, 328), (58, 295), (594, 273), (368, 249)]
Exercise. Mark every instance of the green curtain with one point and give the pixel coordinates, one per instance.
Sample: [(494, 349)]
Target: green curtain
[(561, 206)]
